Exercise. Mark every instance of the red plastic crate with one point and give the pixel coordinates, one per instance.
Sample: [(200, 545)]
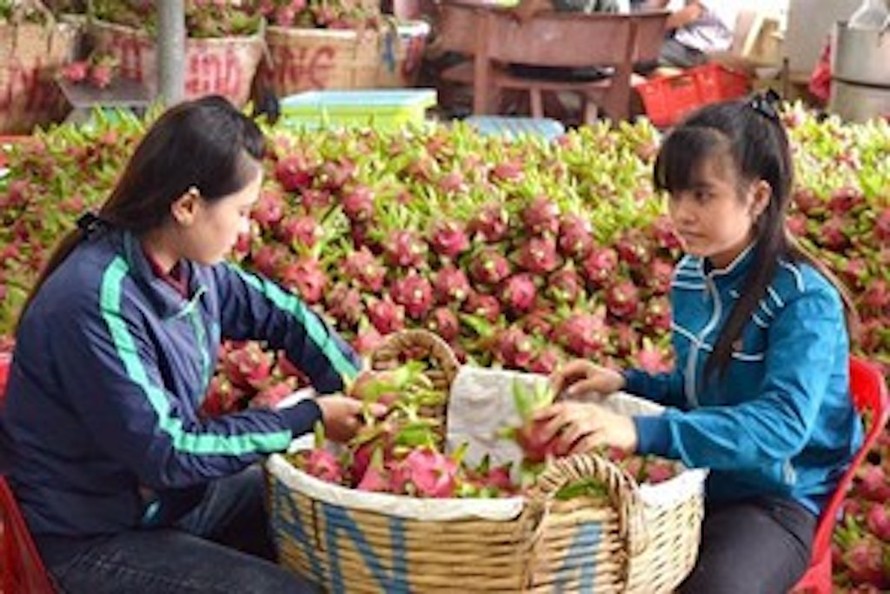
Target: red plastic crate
[(667, 99)]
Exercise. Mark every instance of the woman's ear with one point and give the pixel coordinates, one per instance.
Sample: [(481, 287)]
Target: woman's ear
[(762, 194), (186, 206)]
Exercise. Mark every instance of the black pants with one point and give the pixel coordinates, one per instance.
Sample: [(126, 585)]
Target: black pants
[(761, 546)]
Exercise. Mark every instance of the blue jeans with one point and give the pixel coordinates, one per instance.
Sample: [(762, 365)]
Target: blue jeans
[(222, 546)]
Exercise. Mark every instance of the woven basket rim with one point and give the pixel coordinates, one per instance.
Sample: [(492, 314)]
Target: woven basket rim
[(686, 484)]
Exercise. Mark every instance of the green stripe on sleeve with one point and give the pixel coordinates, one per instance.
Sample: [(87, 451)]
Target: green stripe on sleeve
[(192, 443), (314, 327)]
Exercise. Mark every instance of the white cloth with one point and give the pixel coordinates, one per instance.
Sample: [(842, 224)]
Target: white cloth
[(713, 31)]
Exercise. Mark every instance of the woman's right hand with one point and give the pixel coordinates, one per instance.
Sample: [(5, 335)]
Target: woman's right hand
[(580, 377), (342, 416)]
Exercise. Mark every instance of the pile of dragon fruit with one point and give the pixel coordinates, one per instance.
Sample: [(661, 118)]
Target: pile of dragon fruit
[(404, 452), (519, 254)]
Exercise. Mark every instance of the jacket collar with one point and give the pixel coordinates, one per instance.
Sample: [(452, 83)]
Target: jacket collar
[(730, 276), (167, 301)]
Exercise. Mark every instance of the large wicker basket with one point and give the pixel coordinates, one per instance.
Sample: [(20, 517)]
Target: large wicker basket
[(645, 540), (30, 55)]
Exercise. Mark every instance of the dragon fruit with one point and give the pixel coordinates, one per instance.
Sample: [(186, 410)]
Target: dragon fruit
[(662, 230), (443, 321), (449, 239), (450, 285), (541, 216), (489, 267), (528, 434), (430, 473), (386, 316), (575, 236), (882, 226), (565, 286), (633, 248), (358, 204), (269, 208), (519, 293), (486, 306), (415, 293), (538, 255), (583, 334), (365, 270), (293, 173), (661, 273), (538, 322), (514, 348), (545, 360), (307, 277), (623, 299), (657, 315), (600, 266), (345, 304), (490, 223), (367, 340), (299, 231), (324, 465), (508, 171), (404, 249)]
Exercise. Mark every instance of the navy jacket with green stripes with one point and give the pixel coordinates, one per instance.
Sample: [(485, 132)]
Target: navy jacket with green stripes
[(110, 367)]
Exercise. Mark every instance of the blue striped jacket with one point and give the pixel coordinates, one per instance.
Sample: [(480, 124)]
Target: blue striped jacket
[(780, 421), (110, 368)]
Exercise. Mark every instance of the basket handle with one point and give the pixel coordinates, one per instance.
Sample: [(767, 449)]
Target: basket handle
[(387, 354), (622, 491)]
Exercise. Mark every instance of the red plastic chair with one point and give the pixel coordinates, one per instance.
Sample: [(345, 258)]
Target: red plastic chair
[(869, 392), (21, 570)]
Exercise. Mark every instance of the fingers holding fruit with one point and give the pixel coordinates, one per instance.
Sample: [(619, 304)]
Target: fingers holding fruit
[(343, 417), (578, 427), (580, 377)]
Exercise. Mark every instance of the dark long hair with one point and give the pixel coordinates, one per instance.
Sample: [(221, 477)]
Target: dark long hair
[(206, 144), (750, 133)]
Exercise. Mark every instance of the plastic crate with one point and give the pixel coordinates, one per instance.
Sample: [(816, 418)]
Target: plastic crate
[(388, 108), (515, 127), (667, 99)]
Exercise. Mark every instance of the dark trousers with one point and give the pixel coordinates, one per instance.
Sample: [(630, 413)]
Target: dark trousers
[(674, 53), (223, 546), (760, 546)]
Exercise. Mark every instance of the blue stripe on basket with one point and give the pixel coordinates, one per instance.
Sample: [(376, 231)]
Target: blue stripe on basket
[(580, 555), (289, 527), (338, 520)]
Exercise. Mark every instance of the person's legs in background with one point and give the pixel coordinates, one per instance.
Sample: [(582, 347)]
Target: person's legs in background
[(674, 53)]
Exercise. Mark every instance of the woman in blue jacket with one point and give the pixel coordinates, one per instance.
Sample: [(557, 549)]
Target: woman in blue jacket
[(760, 389), (125, 486)]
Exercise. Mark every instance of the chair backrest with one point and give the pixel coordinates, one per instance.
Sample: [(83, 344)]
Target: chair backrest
[(559, 39), (21, 569), (869, 393)]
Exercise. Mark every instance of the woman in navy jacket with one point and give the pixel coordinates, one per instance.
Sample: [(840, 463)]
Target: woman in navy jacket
[(124, 485)]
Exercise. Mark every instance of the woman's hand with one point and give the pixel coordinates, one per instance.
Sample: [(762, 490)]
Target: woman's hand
[(580, 427), (580, 377), (342, 416)]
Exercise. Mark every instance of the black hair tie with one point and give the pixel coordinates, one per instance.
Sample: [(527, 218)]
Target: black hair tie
[(766, 103), (90, 224)]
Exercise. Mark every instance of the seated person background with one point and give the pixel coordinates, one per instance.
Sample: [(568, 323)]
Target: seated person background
[(696, 28)]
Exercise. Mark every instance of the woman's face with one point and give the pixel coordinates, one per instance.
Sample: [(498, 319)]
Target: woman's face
[(217, 225), (714, 218)]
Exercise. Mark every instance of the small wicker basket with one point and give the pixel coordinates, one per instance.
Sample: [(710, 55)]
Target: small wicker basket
[(645, 539)]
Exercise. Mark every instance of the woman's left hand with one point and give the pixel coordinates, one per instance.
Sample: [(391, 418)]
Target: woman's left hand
[(580, 427)]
